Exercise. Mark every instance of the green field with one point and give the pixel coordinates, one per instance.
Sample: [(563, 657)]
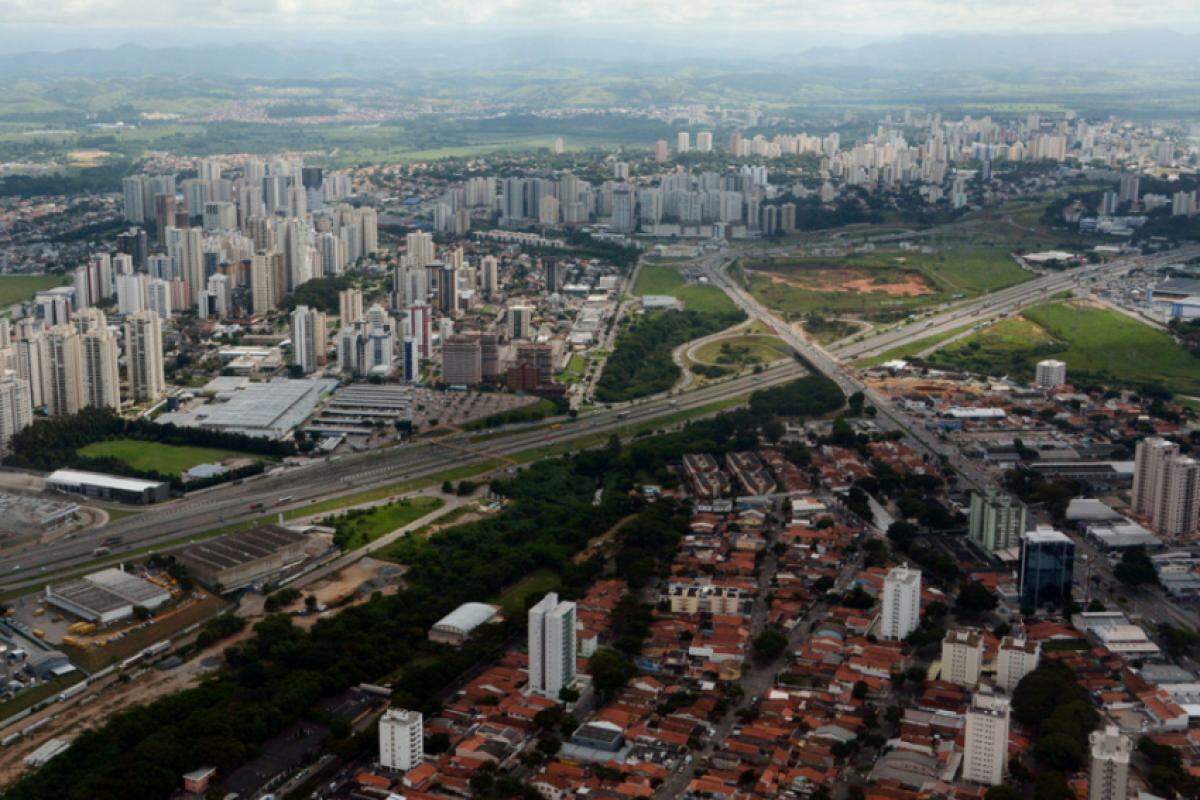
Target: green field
[(906, 351), (654, 279), (883, 284), (15, 288), (361, 526), (167, 459), (514, 599), (574, 371), (741, 351), (1097, 344)]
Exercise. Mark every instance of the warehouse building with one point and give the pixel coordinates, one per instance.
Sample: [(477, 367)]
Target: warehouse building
[(106, 596), (457, 626), (108, 487), (239, 560)]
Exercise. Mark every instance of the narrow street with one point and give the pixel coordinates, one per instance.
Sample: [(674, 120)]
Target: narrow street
[(757, 677)]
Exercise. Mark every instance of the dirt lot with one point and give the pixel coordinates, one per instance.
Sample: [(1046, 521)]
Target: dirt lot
[(904, 284), (96, 705)]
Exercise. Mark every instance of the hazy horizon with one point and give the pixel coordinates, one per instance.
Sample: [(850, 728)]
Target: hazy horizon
[(55, 25)]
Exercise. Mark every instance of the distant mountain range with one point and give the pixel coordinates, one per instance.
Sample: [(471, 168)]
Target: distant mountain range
[(968, 52)]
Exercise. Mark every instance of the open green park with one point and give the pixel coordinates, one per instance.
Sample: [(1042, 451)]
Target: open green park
[(1097, 344), (166, 459)]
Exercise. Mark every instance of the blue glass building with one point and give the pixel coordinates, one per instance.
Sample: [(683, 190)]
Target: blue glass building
[(1047, 568)]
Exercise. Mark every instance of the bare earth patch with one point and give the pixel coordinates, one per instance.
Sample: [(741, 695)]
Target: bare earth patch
[(852, 280)]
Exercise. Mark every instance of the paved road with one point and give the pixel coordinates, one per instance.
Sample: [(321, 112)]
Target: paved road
[(1001, 303), (167, 525), (888, 416), (757, 677)]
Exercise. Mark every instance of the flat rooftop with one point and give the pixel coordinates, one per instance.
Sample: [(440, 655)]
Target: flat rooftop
[(244, 547), (131, 587), (78, 477), (90, 596)]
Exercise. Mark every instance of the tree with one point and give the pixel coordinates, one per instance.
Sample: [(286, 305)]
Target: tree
[(769, 644), (1136, 569), (1058, 751), (855, 403), (1002, 792), (974, 600), (1179, 641), (610, 671)]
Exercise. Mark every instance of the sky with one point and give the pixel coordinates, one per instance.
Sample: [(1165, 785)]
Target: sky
[(59, 24)]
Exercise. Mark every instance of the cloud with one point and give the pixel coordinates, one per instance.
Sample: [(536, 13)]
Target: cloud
[(861, 18)]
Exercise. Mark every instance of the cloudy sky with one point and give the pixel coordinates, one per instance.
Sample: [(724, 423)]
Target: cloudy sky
[(67, 23)]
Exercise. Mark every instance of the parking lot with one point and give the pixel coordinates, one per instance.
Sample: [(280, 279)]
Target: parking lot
[(433, 408)]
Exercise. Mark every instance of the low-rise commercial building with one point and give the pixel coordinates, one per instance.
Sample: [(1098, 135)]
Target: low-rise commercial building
[(238, 560)]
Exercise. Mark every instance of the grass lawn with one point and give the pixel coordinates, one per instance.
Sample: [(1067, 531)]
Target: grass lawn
[(168, 459), (741, 351), (654, 279), (883, 284), (381, 492), (906, 351), (358, 527), (576, 367), (15, 288), (512, 600), (1096, 343)]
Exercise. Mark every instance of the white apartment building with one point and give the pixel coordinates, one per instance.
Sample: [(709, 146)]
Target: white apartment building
[(1108, 776), (551, 646), (962, 657), (16, 413), (901, 611), (986, 750), (101, 373), (401, 739), (308, 338), (144, 357), (65, 392), (1015, 659), (1050, 373), (1166, 487)]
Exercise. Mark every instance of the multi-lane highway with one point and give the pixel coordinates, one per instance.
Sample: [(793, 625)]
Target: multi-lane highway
[(1001, 303), (888, 417), (296, 487)]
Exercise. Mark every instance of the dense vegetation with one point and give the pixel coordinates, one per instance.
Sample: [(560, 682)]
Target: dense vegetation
[(1060, 711), (282, 673), (105, 178), (641, 362), (53, 443), (319, 293), (811, 395)]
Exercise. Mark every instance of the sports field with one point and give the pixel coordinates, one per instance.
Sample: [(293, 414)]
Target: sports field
[(653, 279), (167, 459)]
